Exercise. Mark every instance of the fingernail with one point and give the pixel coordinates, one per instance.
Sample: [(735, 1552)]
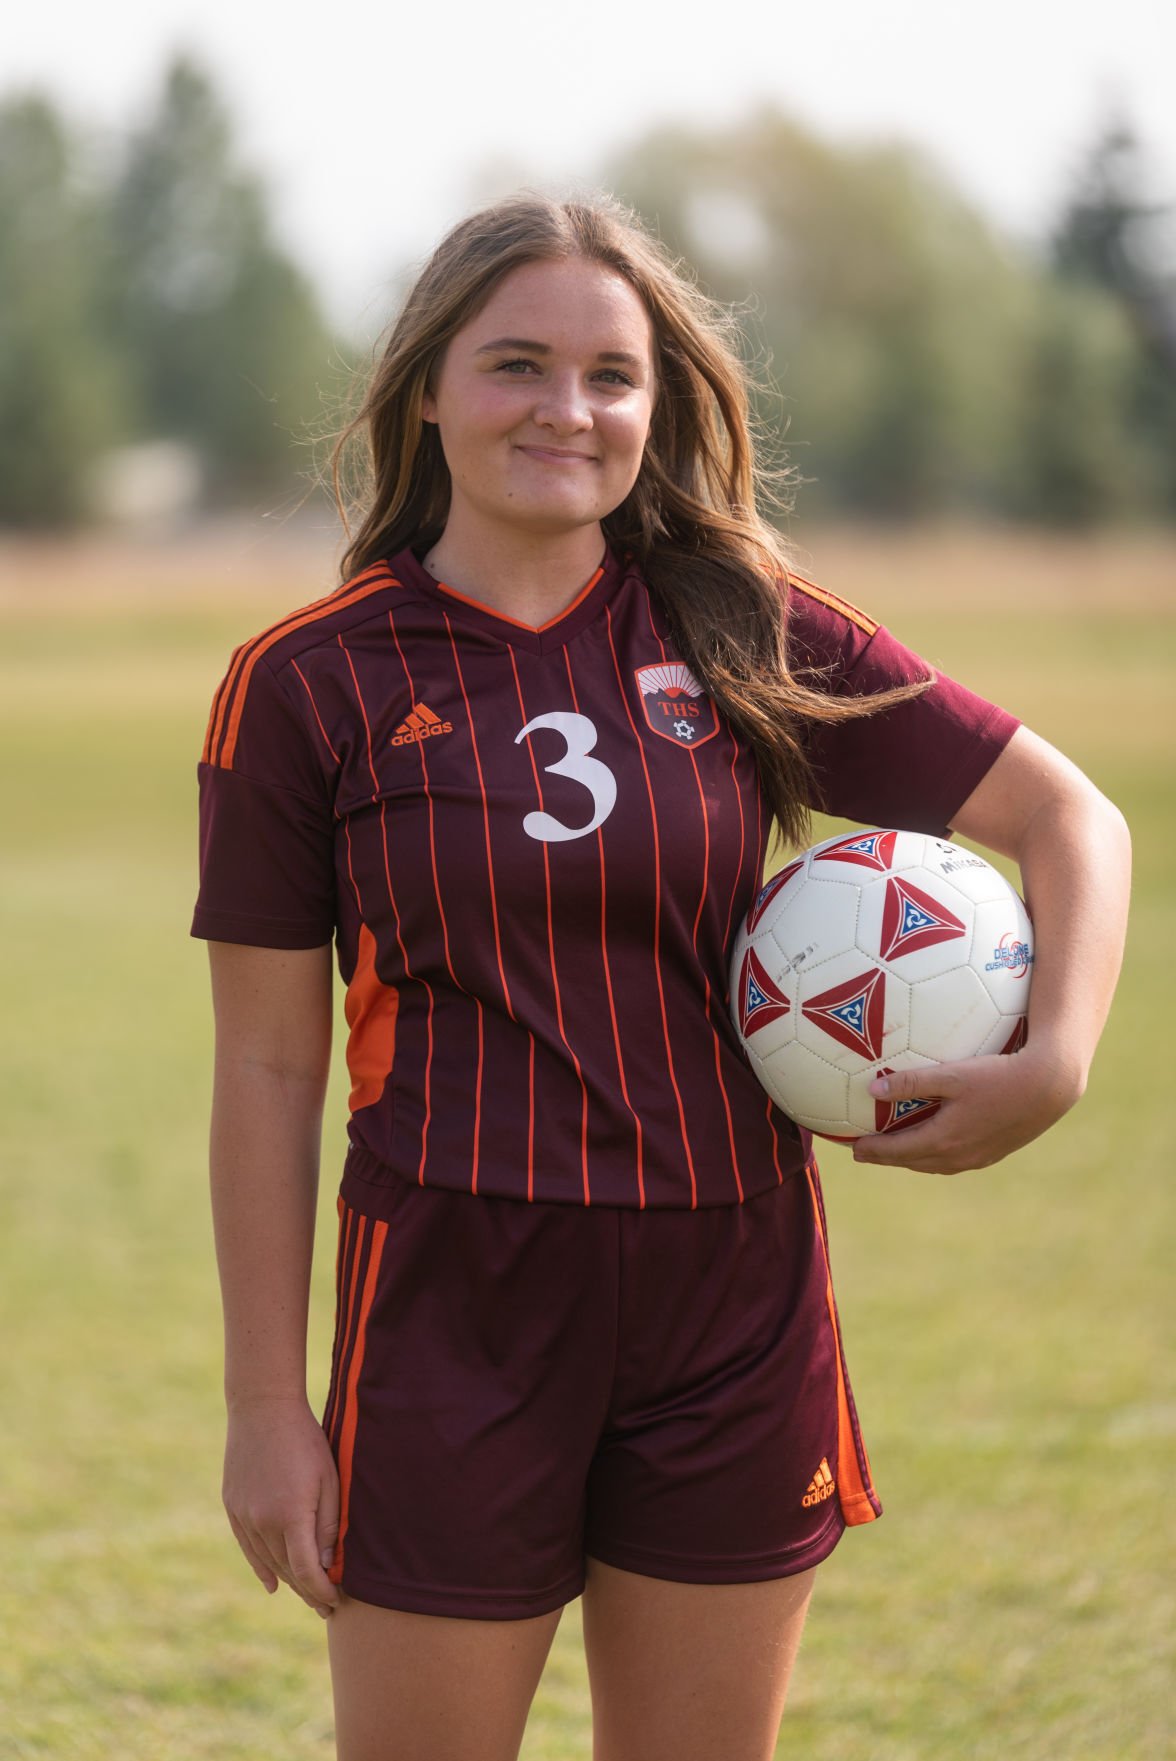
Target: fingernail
[(326, 1556), (880, 1087), (322, 1613)]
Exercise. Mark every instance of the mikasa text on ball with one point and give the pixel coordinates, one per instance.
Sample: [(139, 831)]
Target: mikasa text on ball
[(875, 952)]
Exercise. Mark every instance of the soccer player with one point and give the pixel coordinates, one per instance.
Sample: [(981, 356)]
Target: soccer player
[(521, 768)]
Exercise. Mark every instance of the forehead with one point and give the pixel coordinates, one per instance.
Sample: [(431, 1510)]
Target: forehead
[(574, 305)]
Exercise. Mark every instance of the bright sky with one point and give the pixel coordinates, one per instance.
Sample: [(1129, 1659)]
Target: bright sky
[(370, 124)]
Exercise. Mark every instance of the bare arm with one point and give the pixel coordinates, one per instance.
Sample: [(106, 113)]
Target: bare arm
[(273, 1041), (1074, 852)]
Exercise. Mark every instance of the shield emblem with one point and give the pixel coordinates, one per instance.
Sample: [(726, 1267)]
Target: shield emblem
[(675, 705)]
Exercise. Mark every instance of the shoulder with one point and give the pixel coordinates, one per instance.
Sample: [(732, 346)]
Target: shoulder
[(825, 631), (818, 605), (251, 684)]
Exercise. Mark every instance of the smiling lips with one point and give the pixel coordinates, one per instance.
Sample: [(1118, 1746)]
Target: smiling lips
[(550, 452)]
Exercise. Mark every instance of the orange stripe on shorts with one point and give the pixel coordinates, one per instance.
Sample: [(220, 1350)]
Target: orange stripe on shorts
[(853, 1485), (350, 1406)]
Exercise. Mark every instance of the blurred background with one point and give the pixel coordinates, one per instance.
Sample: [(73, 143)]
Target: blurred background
[(951, 239)]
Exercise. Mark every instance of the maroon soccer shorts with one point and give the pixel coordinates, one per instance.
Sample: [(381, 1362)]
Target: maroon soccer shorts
[(515, 1386)]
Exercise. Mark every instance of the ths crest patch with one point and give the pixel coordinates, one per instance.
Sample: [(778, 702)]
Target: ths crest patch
[(675, 705)]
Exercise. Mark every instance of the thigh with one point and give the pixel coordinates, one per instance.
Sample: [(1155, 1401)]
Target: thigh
[(688, 1672), (472, 1358), (422, 1687), (731, 1452)]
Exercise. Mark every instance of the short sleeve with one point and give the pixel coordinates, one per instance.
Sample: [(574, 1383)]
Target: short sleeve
[(910, 766), (267, 859)]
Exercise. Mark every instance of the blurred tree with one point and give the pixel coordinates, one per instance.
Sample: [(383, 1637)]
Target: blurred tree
[(1114, 238), (60, 393), (885, 305), (223, 335), (1082, 459), (925, 364)]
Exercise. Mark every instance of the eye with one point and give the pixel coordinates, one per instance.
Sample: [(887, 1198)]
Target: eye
[(521, 361)]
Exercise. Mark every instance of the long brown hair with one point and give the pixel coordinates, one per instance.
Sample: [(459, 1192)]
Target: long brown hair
[(692, 519)]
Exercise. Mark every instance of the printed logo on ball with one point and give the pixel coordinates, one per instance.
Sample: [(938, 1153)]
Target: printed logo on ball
[(1012, 955)]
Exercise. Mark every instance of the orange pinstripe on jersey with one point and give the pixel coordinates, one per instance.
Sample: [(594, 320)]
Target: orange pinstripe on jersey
[(225, 717), (559, 1014), (853, 1464), (478, 1005), (661, 993), (707, 992), (834, 601), (346, 1446), (608, 984), (485, 821), (314, 706)]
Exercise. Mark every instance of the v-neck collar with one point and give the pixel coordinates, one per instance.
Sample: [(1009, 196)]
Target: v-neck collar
[(541, 639)]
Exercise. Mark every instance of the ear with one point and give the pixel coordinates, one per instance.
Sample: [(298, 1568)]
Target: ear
[(429, 407)]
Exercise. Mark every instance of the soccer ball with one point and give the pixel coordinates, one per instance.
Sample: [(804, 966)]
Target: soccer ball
[(871, 953)]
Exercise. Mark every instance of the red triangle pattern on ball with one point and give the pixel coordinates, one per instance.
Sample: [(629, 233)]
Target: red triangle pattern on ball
[(769, 893), (760, 1000), (852, 1013), (866, 849), (912, 919)]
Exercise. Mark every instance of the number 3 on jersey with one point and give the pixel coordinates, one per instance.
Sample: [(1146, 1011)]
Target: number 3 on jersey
[(579, 734)]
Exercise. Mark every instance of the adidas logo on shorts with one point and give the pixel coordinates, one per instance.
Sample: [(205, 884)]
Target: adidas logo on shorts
[(821, 1486)]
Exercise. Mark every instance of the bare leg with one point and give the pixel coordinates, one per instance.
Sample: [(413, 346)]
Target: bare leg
[(689, 1672), (423, 1687)]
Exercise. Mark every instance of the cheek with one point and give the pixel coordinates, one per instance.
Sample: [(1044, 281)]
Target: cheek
[(628, 437)]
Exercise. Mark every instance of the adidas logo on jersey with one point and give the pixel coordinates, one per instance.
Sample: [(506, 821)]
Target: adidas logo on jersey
[(420, 724), (821, 1486)]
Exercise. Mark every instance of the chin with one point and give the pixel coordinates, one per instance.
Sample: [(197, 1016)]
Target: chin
[(548, 519)]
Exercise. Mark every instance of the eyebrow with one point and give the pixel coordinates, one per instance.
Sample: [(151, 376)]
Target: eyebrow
[(543, 348)]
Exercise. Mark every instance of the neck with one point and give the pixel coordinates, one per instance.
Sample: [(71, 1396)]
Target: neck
[(525, 576)]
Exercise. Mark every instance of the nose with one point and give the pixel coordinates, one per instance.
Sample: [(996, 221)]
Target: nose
[(563, 405)]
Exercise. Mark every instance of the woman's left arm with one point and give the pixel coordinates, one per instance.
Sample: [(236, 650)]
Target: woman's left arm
[(1074, 853)]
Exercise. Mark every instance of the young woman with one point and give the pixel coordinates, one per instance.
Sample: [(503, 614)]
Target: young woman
[(522, 765)]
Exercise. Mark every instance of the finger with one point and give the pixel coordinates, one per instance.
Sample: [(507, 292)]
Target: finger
[(913, 1146), (933, 1080), (261, 1568), (309, 1578), (924, 1151), (270, 1548), (326, 1530)]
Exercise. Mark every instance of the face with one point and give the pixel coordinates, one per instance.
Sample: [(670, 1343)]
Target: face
[(543, 401)]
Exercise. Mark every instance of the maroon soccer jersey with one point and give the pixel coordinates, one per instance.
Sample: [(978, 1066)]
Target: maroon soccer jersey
[(532, 847)]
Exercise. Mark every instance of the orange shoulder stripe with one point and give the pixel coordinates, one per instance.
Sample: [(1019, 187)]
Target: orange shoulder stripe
[(225, 689), (823, 596), (222, 731)]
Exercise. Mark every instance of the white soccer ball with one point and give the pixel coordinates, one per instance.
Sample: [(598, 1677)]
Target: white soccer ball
[(870, 953)]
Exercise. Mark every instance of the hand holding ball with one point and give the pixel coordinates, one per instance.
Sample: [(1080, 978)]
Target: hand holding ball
[(871, 953)]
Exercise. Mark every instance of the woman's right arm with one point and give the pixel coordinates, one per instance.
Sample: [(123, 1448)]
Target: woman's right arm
[(273, 1042)]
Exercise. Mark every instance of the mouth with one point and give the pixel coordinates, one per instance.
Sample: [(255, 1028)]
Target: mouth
[(556, 456)]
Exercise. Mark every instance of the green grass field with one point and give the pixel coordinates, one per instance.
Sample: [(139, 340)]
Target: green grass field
[(1006, 1330)]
